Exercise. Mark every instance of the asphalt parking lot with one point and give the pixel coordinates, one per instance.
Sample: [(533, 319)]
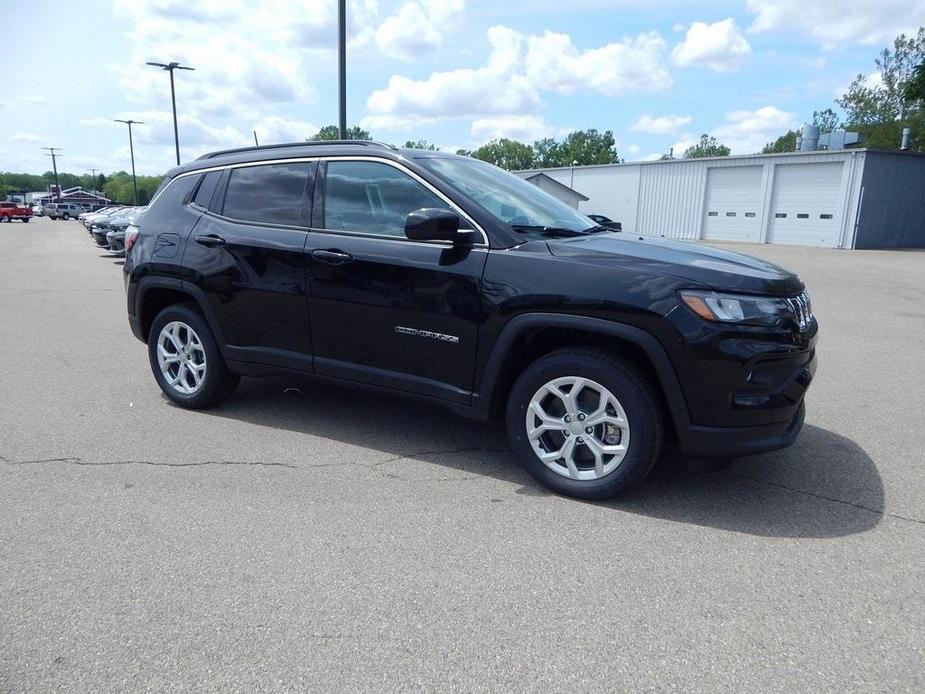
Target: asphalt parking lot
[(304, 537)]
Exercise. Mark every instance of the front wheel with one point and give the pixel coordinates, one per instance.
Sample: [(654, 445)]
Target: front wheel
[(66, 216), (25, 219), (186, 360), (585, 423)]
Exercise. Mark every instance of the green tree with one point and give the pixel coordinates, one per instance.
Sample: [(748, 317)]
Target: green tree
[(332, 132), (708, 146), (785, 143), (508, 154), (579, 148), (915, 87), (826, 120), (420, 144), (881, 109)]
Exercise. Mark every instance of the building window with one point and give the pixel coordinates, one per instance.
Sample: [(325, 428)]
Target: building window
[(780, 215), (730, 214), (825, 216), (802, 215), (713, 214), (749, 214)]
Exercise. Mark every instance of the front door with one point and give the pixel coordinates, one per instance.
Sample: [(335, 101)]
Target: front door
[(386, 310), (249, 259)]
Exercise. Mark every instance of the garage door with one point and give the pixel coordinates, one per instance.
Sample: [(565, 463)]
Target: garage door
[(806, 204), (732, 204)]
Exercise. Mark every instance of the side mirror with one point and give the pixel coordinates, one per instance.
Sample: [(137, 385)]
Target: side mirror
[(435, 224)]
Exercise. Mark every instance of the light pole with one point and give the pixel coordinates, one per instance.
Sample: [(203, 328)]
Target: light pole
[(342, 65), (93, 180), (131, 149), (170, 67), (54, 165)]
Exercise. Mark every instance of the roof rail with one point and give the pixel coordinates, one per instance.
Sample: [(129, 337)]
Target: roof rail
[(312, 143)]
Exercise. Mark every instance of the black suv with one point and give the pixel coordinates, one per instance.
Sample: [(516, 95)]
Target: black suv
[(449, 280)]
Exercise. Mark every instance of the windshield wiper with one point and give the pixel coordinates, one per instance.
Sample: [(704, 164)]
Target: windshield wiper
[(558, 232)]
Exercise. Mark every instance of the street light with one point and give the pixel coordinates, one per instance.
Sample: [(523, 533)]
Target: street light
[(170, 67), (342, 66), (54, 165), (131, 149)]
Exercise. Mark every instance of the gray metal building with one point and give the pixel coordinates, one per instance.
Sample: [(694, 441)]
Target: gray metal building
[(857, 198)]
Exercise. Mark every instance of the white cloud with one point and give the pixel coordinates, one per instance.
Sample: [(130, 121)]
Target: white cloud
[(746, 132), (525, 128), (630, 65), (833, 23), (274, 129), (518, 69), (659, 125), (25, 137), (719, 46), (416, 28), (652, 156), (633, 149), (686, 140), (872, 81)]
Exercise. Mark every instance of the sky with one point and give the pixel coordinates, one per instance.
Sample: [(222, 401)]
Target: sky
[(457, 73)]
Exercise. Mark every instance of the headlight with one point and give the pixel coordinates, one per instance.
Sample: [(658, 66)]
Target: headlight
[(739, 308)]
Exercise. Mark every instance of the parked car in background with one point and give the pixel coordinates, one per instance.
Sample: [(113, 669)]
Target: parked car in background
[(87, 218), (38, 210), (63, 210), (115, 237), (606, 222), (14, 210), (103, 225)]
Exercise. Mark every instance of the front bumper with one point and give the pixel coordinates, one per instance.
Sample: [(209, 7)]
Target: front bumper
[(734, 442)]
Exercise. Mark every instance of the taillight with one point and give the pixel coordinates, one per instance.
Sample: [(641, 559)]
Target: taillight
[(131, 236)]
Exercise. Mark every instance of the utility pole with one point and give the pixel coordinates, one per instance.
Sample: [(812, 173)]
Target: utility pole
[(170, 67), (131, 149), (93, 180), (342, 64), (54, 165)]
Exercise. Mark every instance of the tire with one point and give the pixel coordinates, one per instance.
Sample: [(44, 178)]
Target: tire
[(25, 220), (65, 216), (627, 436), (202, 365)]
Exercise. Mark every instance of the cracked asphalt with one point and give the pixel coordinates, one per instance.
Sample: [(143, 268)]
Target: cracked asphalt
[(303, 537)]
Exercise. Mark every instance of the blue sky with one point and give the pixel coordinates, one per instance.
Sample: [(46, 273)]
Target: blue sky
[(454, 72)]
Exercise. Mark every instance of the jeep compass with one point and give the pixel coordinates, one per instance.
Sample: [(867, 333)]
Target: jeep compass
[(448, 280)]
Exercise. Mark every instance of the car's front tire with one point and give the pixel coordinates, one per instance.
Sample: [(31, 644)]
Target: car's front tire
[(186, 360), (65, 216), (585, 423)]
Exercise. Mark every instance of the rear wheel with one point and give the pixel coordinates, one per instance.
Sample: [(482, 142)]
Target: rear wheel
[(25, 219), (66, 216), (584, 423), (186, 360)]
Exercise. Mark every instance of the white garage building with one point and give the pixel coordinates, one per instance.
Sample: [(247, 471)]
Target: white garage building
[(855, 198)]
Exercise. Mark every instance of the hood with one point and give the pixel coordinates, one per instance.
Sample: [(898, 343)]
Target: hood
[(723, 271)]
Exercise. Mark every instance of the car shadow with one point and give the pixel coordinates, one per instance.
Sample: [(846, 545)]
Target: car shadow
[(824, 485)]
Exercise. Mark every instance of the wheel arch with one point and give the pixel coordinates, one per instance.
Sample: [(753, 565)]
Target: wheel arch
[(154, 294), (527, 337)]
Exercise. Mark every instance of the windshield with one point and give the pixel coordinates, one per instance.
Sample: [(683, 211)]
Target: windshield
[(512, 200)]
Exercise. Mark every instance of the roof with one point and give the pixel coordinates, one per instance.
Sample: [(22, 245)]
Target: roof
[(540, 175)]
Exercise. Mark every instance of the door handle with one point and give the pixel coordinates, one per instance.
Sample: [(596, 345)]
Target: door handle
[(210, 240), (332, 257)]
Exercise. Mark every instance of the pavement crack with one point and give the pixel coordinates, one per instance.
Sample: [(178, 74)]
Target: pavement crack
[(153, 463), (833, 499)]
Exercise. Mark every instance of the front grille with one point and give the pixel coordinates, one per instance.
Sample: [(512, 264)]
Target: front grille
[(802, 309)]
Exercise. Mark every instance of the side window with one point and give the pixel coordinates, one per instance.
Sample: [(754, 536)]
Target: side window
[(366, 197), (271, 193), (207, 189)]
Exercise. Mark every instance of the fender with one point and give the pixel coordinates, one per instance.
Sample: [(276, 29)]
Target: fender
[(664, 371)]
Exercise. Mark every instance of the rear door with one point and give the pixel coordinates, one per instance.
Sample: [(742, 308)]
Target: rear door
[(387, 310), (247, 255)]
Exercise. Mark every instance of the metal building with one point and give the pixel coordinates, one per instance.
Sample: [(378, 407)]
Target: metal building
[(856, 198)]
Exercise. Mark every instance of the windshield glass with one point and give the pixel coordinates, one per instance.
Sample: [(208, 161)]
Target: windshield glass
[(509, 198)]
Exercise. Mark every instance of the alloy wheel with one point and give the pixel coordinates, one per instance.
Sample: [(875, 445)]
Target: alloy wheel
[(181, 357)]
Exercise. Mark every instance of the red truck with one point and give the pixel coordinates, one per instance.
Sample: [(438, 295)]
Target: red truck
[(14, 210)]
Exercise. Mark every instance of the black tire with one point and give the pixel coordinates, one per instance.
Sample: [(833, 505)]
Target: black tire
[(635, 394), (219, 382), (65, 216), (25, 219)]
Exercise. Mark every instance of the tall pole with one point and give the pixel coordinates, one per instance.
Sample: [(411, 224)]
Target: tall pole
[(131, 149), (342, 64), (54, 166), (170, 67), (92, 180)]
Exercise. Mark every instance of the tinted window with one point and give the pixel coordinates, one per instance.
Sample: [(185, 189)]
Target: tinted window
[(207, 188), (371, 198), (274, 193)]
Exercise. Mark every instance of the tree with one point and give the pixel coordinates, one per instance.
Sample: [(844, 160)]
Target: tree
[(420, 144), (707, 147), (579, 148), (881, 108), (826, 120), (915, 87), (508, 154), (785, 143), (332, 132)]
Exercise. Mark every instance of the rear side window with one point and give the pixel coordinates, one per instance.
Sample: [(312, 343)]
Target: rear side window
[(272, 193), (206, 189), (366, 197)]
